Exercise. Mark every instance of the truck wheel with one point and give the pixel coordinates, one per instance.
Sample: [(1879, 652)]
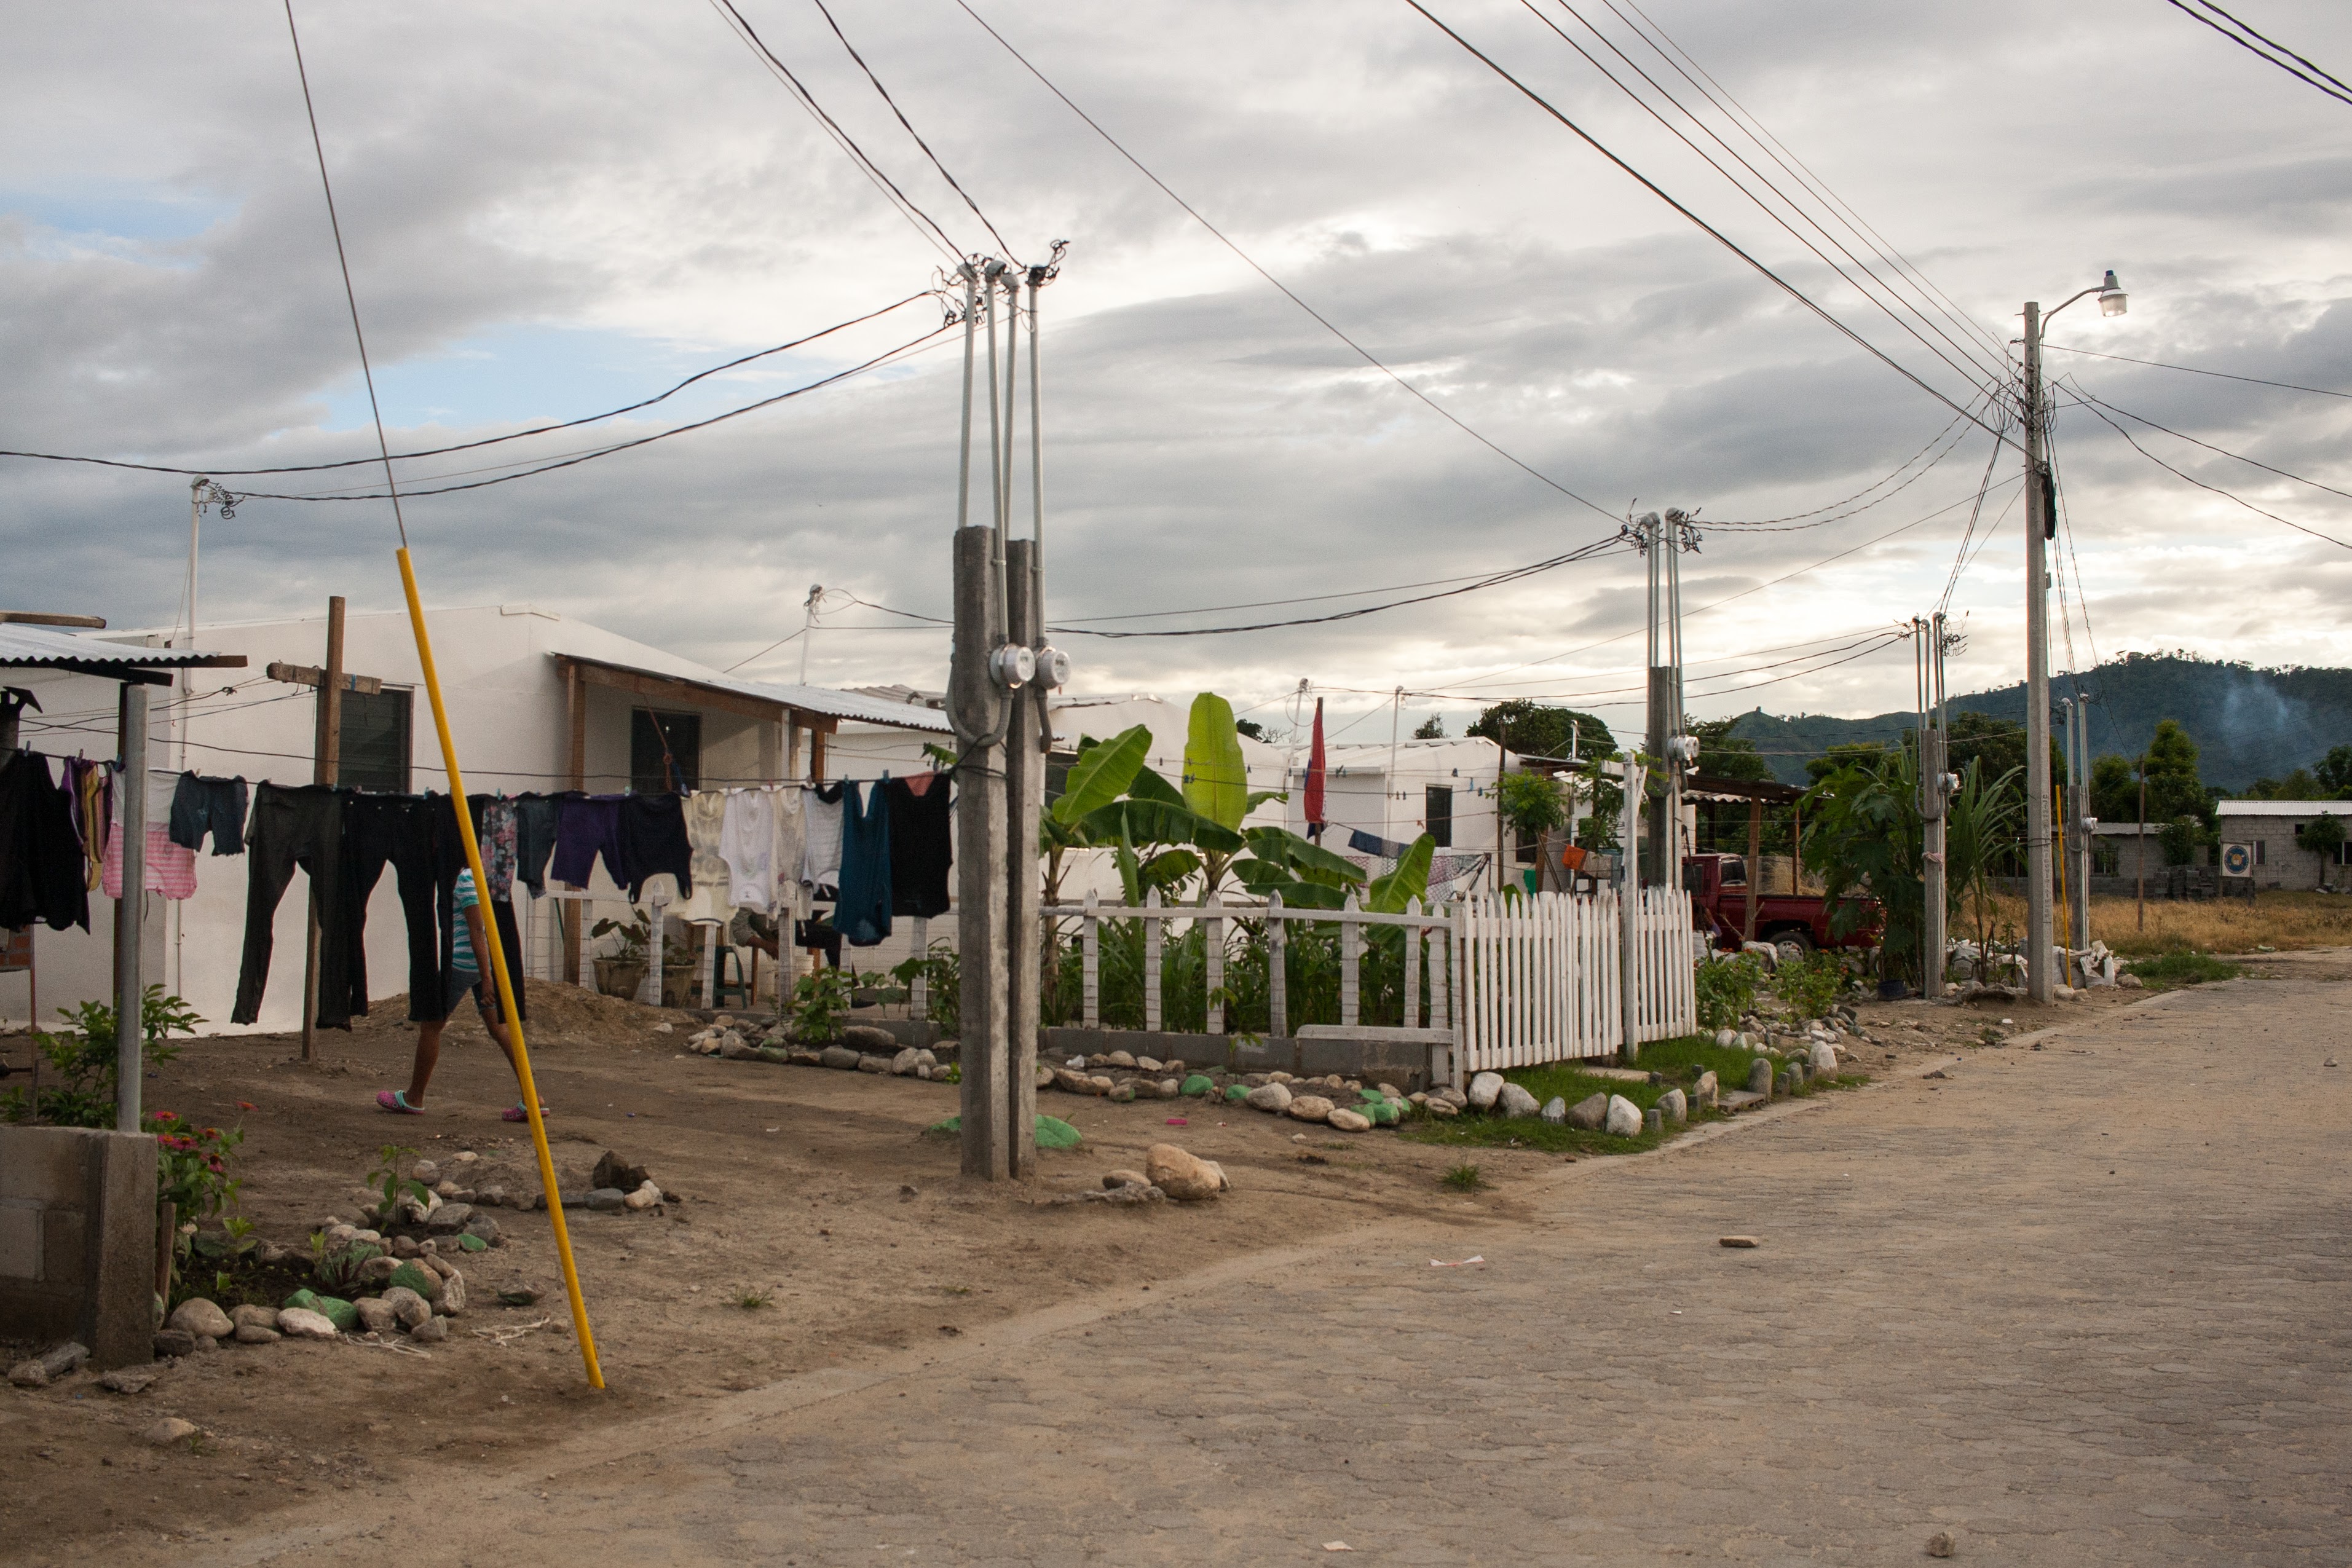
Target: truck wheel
[(1795, 945)]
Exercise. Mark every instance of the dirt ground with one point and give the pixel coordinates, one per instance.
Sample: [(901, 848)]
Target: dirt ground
[(815, 1188)]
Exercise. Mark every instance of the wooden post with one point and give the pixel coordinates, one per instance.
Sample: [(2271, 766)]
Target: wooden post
[(327, 754), (1754, 865), (1277, 974)]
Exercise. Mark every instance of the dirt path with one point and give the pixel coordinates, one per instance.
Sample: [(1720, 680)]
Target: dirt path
[(2077, 1304)]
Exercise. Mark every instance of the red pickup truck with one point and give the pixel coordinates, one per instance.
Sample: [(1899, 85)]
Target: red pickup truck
[(1719, 888)]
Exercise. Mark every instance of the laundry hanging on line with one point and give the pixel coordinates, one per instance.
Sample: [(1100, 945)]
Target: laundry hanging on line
[(42, 855)]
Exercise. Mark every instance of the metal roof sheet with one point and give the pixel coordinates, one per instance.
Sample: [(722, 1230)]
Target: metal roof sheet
[(23, 646), (2282, 808)]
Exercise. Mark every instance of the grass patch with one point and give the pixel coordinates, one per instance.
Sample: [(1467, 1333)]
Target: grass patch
[(2168, 970), (752, 1300), (1678, 1061), (1463, 1178), (2287, 920)]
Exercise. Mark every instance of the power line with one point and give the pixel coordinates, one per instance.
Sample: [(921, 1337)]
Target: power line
[(1797, 167), (1002, 245), (2193, 370), (1252, 262), (384, 448), (492, 440), (2200, 484), (924, 224), (593, 454), (2251, 462), (2336, 92), (1960, 557), (1972, 370), (1709, 229)]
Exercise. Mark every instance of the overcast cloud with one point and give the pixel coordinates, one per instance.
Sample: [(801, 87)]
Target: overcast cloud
[(554, 209)]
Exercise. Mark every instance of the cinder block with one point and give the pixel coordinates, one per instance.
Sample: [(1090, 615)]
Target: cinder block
[(20, 1239), (47, 1165)]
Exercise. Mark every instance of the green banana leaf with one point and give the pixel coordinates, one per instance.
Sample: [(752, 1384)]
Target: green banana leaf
[(1390, 894), (1216, 782), (1137, 822), (1101, 774), (1310, 860), (1147, 785)]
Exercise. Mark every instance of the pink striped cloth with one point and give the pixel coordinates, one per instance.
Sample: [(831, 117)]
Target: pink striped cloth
[(171, 869)]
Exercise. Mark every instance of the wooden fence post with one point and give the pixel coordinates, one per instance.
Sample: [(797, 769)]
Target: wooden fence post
[(1277, 974), (1411, 1015)]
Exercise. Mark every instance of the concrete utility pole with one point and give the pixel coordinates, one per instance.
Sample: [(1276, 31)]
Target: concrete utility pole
[(996, 703), (2085, 823), (1935, 786), (1629, 898), (2041, 527), (1663, 540), (130, 975)]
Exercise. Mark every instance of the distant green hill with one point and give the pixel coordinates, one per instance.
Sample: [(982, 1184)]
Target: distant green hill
[(2250, 723)]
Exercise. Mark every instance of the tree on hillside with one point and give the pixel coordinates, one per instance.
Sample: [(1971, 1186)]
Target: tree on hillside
[(1431, 728), (1725, 755), (2335, 772), (2299, 785), (1866, 754), (2174, 791), (1998, 743), (1532, 729)]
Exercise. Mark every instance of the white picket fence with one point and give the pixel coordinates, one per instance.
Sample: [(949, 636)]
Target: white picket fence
[(1541, 975), (1515, 980)]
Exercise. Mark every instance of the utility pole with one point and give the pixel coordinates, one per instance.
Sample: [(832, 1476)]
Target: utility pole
[(996, 704), (2141, 857), (1628, 899), (1663, 540), (2085, 823), (2041, 527), (1935, 796), (2039, 524)]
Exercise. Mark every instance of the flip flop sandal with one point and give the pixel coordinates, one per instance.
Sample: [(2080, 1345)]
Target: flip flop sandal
[(515, 1112), (397, 1101)]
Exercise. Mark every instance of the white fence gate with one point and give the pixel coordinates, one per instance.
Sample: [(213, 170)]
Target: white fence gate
[(1541, 975)]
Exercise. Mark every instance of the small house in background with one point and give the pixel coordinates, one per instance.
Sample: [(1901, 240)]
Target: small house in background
[(2274, 832), (1375, 793)]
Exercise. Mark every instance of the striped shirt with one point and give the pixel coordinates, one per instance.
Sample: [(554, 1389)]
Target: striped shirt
[(461, 946)]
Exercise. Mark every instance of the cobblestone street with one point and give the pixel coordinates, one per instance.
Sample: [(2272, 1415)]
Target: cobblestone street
[(2080, 1305)]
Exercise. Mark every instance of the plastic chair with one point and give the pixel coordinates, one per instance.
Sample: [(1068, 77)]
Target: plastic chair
[(721, 987)]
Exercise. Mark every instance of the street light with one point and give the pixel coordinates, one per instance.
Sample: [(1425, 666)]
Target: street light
[(2041, 525)]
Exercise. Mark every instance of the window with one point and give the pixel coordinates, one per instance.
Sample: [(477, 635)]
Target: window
[(664, 751), (374, 739), (2261, 851), (1437, 813), (1693, 877), (2106, 860), (1735, 873)]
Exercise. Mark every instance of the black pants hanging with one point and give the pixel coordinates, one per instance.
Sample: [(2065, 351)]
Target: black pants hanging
[(397, 830), (291, 827)]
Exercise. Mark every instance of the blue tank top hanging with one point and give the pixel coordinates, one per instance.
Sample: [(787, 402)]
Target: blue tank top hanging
[(863, 911)]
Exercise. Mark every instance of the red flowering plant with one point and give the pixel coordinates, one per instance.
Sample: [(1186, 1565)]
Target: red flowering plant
[(192, 1173)]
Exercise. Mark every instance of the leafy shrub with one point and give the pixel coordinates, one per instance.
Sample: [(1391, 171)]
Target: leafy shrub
[(942, 977), (2172, 969), (820, 998), (83, 1070), (1727, 989), (1811, 986)]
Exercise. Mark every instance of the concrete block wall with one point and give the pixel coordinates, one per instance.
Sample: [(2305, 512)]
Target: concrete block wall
[(78, 1239)]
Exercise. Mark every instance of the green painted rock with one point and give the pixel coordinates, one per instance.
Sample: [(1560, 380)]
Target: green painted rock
[(1200, 1083), (1382, 1111), (305, 1297), (471, 1243), (1235, 1093), (416, 1276), (1052, 1132), (1372, 1097), (952, 1127), (336, 1310)]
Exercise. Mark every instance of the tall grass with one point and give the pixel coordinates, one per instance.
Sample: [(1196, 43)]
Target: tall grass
[(2284, 920)]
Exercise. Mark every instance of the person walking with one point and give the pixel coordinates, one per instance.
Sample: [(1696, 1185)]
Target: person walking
[(462, 975)]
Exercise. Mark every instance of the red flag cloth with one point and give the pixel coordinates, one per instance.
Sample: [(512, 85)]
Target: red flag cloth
[(1315, 776)]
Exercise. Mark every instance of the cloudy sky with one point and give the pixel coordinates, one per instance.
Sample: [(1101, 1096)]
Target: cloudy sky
[(554, 210)]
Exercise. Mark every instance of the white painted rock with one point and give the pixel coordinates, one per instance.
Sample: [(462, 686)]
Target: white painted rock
[(1675, 1106), (300, 1322), (1624, 1118), (1515, 1100), (1484, 1089), (1555, 1110), (1822, 1061), (1308, 1108), (1704, 1093), (1346, 1121), (1272, 1097), (198, 1316)]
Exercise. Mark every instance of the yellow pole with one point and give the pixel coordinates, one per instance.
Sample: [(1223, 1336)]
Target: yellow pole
[(505, 981)]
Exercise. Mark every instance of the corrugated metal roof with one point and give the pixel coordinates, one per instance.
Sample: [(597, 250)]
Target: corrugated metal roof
[(2282, 808), (23, 646)]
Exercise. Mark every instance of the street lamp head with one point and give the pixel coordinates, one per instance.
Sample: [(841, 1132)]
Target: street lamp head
[(2113, 301)]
